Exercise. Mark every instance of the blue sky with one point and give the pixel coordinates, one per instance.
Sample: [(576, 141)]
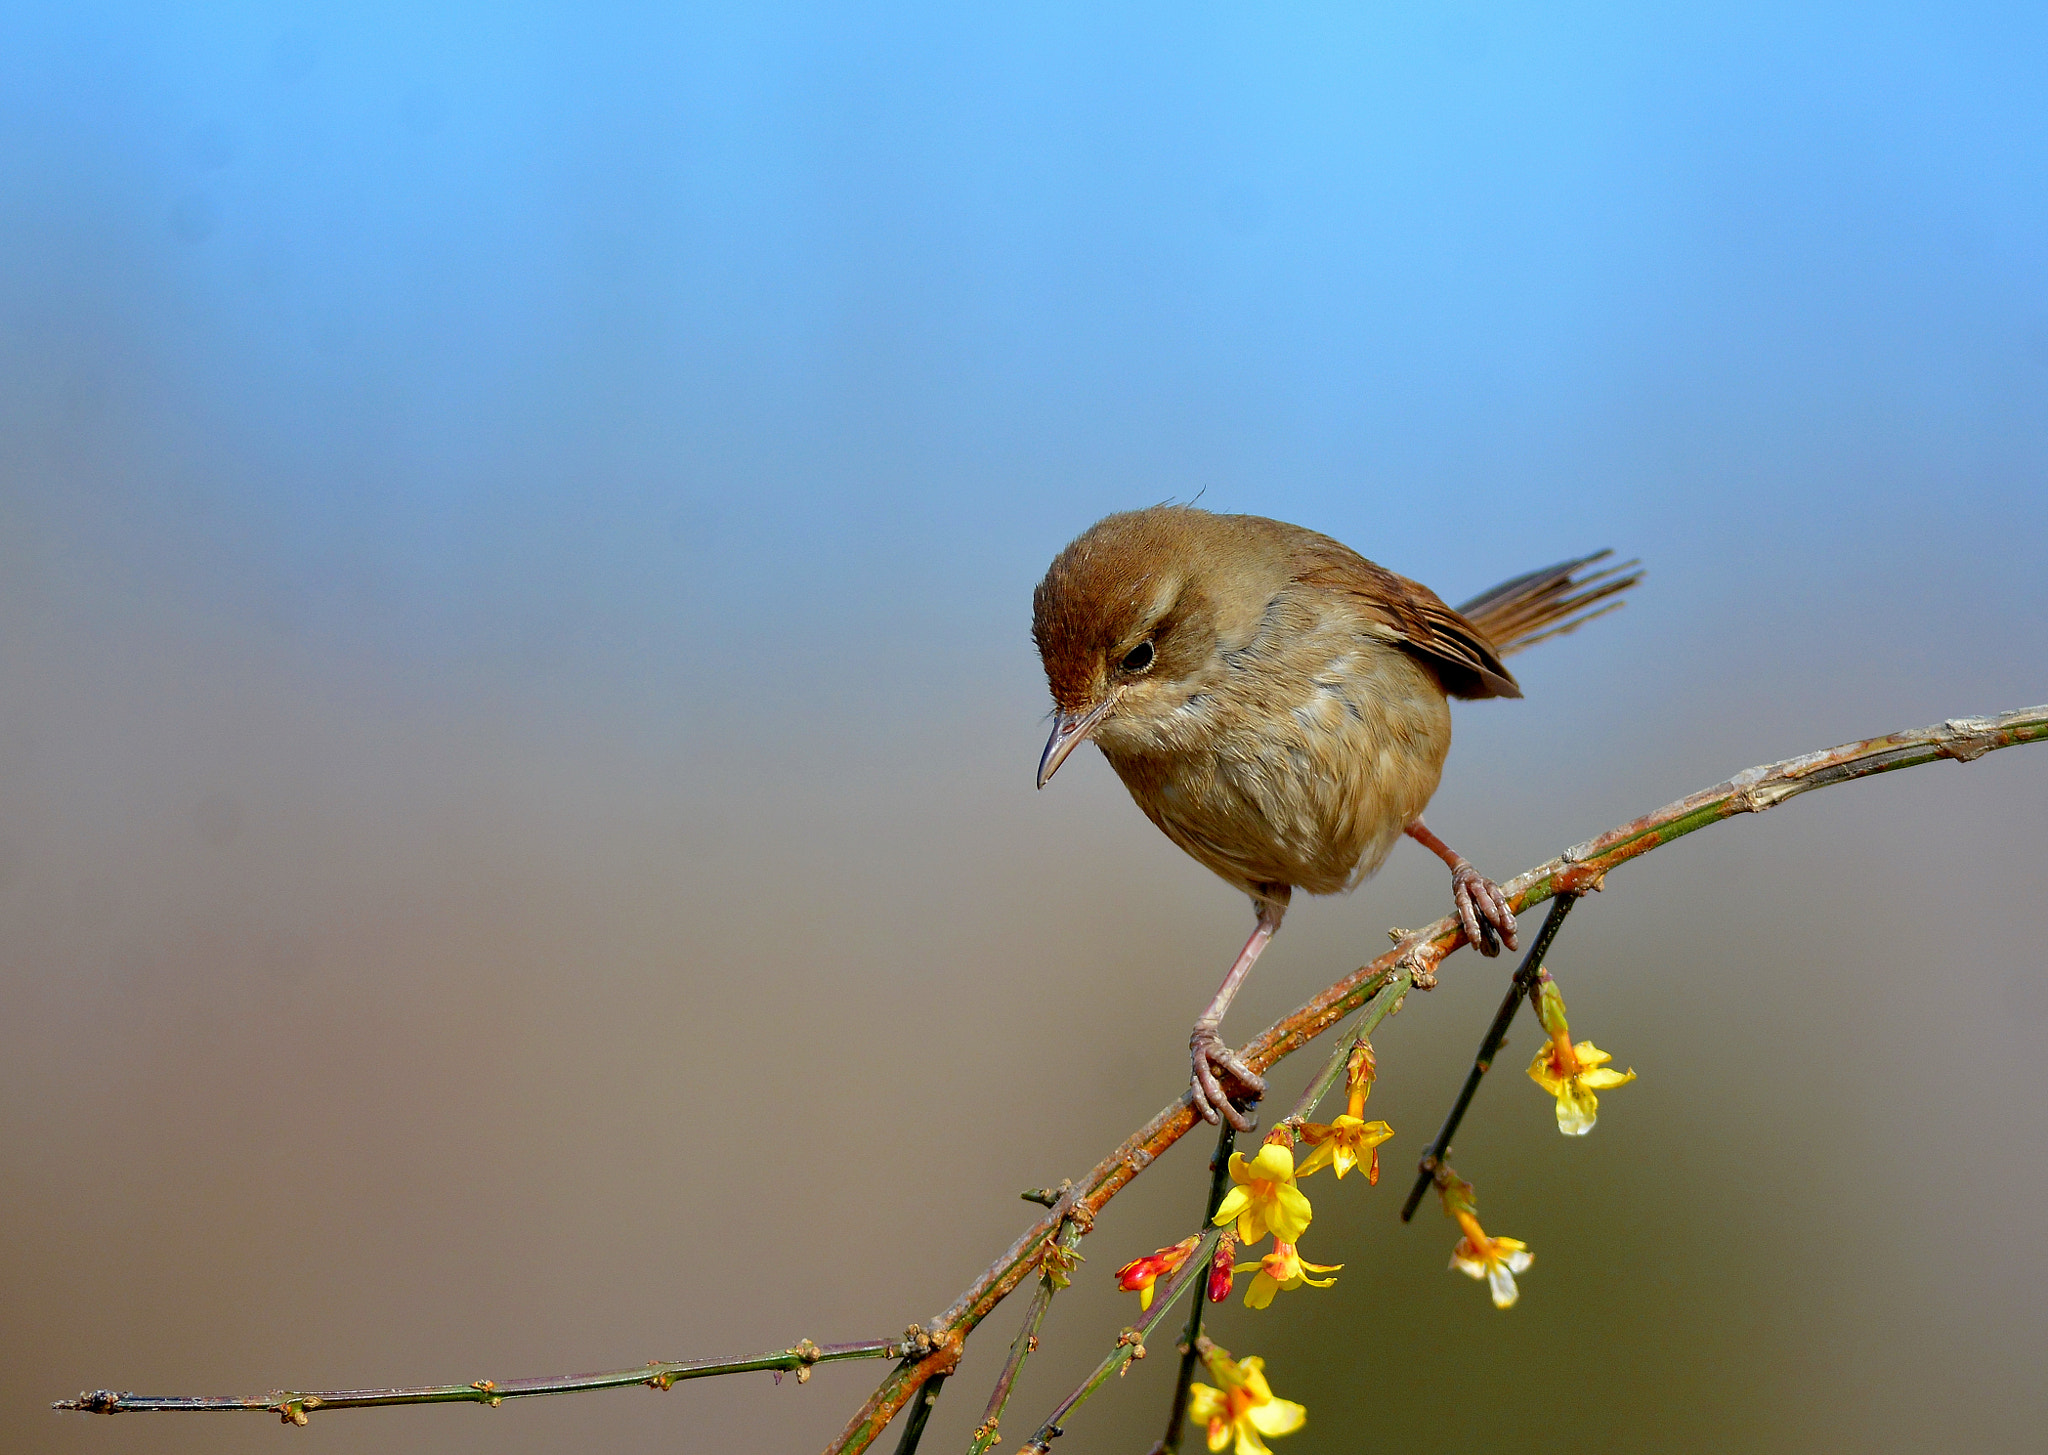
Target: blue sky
[(430, 332)]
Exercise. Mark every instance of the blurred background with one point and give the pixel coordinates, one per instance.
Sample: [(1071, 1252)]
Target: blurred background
[(517, 842)]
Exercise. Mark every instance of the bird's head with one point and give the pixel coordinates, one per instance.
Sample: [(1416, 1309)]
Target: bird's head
[(1135, 615)]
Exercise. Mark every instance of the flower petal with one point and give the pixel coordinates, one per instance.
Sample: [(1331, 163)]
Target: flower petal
[(1234, 1202), (1577, 1108), (1606, 1079), (1277, 1417), (1253, 1373), (1262, 1290), (1274, 1163), (1501, 1280), (1289, 1213)]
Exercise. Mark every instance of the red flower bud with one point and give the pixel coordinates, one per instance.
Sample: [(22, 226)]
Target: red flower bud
[(1223, 1268), (1140, 1274)]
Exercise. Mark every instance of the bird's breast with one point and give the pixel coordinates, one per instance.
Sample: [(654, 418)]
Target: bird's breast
[(1296, 762)]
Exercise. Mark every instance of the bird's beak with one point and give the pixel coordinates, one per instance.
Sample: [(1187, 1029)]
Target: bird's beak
[(1068, 731)]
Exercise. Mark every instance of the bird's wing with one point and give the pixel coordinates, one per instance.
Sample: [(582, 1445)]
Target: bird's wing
[(1468, 664)]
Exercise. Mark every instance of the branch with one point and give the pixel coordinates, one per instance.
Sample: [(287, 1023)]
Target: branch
[(920, 1412), (1130, 1344), (1050, 1281), (934, 1349), (295, 1406), (1579, 869), (1190, 1351), (1489, 1046), (1386, 1000)]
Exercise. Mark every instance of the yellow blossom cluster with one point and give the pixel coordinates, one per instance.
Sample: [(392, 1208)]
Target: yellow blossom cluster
[(1266, 1198)]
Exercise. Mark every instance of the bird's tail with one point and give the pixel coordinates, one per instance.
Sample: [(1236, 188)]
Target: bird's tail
[(1550, 602)]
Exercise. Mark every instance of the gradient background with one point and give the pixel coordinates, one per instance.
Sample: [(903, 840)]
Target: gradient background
[(517, 847)]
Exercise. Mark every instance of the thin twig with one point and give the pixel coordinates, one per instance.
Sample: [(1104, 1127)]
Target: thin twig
[(1385, 1001), (935, 1348), (1489, 1046), (987, 1432), (294, 1405), (1130, 1344), (1579, 869), (1190, 1355), (920, 1411)]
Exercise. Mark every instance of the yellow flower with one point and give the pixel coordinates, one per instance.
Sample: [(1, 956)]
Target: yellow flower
[(1496, 1260), (1572, 1074), (1265, 1198), (1344, 1144), (1140, 1274), (1282, 1268), (1568, 1072), (1245, 1406)]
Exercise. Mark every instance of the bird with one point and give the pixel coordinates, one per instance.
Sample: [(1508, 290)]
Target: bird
[(1278, 705)]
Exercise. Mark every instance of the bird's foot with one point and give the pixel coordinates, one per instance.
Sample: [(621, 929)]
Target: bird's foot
[(1212, 1098), (1483, 911)]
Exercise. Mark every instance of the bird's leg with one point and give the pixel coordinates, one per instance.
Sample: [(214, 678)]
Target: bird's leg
[(1483, 911), (1206, 1047)]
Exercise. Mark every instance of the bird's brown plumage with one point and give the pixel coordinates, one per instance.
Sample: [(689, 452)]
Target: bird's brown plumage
[(1277, 705), (1291, 720)]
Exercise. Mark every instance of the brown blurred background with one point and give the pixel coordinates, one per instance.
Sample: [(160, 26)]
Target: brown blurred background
[(517, 852)]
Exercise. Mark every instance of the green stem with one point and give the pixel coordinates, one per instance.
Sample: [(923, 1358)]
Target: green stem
[(294, 1405), (987, 1433), (1489, 1046), (1193, 1273), (1578, 870), (920, 1411), (1190, 1354), (1385, 998)]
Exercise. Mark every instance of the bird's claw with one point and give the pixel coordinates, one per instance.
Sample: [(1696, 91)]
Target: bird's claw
[(1483, 911), (1210, 1055)]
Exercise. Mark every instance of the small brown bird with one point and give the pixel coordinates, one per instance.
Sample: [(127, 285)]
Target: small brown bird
[(1276, 704)]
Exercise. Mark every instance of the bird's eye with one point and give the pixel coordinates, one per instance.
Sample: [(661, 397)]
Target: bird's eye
[(1138, 658)]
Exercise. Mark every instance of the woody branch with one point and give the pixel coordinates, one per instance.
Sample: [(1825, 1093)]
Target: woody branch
[(934, 1348)]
